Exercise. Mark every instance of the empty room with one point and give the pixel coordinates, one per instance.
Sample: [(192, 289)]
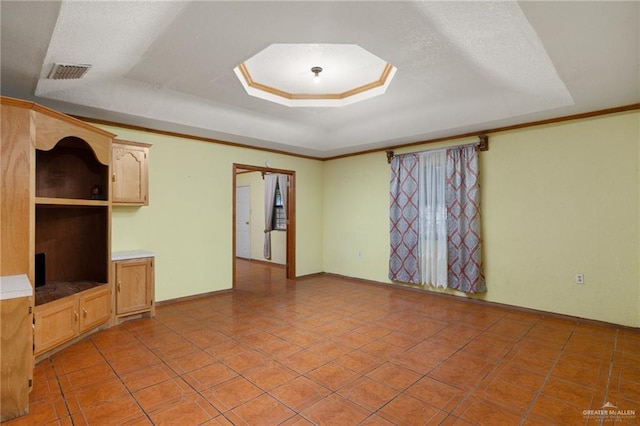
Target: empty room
[(320, 213)]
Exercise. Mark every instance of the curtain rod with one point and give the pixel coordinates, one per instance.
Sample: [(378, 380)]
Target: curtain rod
[(483, 145)]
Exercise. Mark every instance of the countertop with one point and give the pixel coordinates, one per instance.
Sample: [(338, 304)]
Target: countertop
[(15, 286), (131, 254)]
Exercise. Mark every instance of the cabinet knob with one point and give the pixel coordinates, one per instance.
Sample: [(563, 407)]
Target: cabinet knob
[(75, 313), (119, 286), (84, 312)]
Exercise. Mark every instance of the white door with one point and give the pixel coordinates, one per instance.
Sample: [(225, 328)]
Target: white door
[(243, 227)]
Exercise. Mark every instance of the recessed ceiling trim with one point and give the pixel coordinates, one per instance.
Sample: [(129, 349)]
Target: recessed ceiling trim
[(259, 86), (383, 79), (244, 71)]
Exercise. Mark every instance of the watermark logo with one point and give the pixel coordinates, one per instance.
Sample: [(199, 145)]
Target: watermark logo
[(609, 413)]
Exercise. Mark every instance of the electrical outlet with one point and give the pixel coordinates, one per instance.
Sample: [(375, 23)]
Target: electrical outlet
[(579, 279)]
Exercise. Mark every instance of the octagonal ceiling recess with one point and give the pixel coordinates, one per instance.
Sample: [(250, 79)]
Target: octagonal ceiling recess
[(288, 74), (462, 66)]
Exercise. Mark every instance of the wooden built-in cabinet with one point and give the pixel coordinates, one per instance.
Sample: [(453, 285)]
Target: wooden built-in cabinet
[(130, 173), (16, 336), (72, 228), (134, 285), (56, 204), (64, 319)]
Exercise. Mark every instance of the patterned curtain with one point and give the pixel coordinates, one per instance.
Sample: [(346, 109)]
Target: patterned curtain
[(283, 183), (462, 192), (404, 224), (465, 271)]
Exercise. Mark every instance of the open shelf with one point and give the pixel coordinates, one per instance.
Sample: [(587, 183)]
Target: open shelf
[(44, 201), (74, 240), (55, 290), (72, 219), (70, 170)]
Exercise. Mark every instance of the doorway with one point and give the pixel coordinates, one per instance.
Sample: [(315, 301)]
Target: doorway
[(290, 263), (243, 226)]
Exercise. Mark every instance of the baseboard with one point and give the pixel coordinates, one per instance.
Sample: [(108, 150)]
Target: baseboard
[(192, 297), (522, 309)]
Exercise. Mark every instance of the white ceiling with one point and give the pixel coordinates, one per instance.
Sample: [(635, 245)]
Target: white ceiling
[(461, 66), (281, 73)]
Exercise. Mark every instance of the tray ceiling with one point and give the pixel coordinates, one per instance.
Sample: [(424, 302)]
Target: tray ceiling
[(459, 66)]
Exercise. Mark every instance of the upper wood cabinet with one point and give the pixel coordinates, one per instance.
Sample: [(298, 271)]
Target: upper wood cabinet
[(130, 173)]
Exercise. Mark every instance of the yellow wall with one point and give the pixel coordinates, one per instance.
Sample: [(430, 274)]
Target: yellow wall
[(556, 200), (278, 238), (188, 222)]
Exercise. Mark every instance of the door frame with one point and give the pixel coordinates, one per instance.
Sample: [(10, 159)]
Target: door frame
[(291, 216)]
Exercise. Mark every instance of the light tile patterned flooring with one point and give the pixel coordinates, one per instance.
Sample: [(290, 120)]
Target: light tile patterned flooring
[(332, 351)]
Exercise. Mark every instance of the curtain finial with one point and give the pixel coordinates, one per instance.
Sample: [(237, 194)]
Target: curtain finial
[(389, 156), (483, 145)]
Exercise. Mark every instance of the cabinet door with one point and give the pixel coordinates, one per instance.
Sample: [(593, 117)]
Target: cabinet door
[(130, 175), (133, 286), (17, 359), (55, 323), (94, 307)]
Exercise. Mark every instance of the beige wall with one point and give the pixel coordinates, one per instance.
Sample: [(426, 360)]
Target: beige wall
[(278, 238), (188, 222), (556, 200)]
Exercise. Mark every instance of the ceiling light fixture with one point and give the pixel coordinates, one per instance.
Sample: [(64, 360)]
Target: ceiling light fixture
[(316, 71), (355, 75)]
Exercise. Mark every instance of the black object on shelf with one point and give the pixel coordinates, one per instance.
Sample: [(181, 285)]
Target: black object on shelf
[(40, 270)]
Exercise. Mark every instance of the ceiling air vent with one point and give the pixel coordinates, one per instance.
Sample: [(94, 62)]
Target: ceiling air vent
[(68, 71)]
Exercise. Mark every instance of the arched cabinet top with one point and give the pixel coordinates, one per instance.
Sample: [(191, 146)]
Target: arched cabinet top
[(51, 126), (50, 130)]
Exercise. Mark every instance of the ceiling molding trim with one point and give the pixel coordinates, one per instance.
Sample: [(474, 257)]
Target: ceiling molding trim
[(591, 114), (381, 83), (190, 137)]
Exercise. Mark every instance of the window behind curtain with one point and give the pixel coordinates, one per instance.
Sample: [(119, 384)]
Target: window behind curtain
[(410, 189), (279, 220)]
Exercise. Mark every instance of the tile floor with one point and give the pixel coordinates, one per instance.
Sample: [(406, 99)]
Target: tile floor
[(331, 351)]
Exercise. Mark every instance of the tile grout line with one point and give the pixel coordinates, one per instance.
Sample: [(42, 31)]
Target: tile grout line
[(331, 321), (606, 389), (66, 404), (119, 375), (177, 373), (546, 378), (471, 391)]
